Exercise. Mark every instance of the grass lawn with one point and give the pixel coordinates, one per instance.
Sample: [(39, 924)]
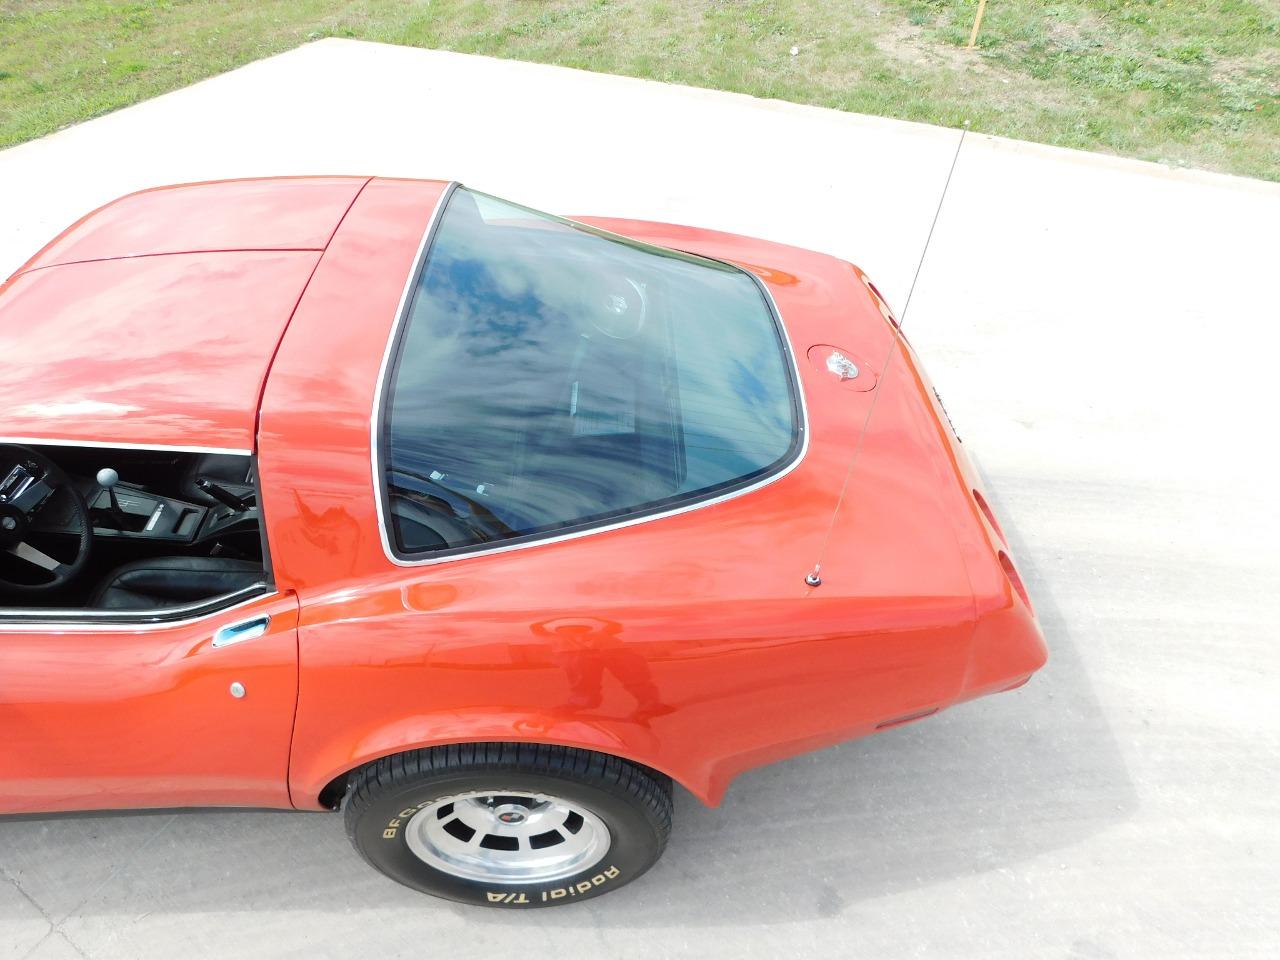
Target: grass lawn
[(1187, 82)]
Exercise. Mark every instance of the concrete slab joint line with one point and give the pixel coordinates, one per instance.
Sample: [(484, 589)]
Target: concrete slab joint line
[(1068, 307)]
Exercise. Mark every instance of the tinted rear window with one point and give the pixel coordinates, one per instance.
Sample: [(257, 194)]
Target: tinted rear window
[(549, 377)]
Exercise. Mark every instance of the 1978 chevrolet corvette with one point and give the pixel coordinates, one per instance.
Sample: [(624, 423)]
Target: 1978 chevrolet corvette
[(480, 525)]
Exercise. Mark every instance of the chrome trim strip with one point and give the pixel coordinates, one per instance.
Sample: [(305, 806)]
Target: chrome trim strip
[(177, 448), (379, 490), (89, 621), (375, 418)]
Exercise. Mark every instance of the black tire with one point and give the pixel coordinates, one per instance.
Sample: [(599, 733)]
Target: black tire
[(633, 802)]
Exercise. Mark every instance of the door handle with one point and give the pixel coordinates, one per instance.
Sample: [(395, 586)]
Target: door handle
[(239, 632)]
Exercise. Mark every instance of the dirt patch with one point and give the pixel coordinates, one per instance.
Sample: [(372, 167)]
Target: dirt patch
[(1075, 33), (907, 42), (1265, 63)]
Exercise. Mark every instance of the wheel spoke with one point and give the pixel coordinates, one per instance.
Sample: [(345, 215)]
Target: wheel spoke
[(24, 551), (555, 817)]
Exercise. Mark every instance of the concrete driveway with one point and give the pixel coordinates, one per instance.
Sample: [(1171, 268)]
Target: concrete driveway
[(1104, 333)]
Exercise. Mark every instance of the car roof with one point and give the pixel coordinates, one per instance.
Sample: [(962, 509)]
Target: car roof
[(152, 351), (282, 213), (153, 321)]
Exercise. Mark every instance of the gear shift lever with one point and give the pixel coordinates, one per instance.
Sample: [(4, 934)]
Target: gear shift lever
[(107, 479)]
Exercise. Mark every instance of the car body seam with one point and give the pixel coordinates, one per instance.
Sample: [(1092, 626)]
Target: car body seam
[(275, 351), (165, 253), (297, 697)]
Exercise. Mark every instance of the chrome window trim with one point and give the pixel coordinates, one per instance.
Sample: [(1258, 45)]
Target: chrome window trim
[(112, 444), (379, 399), (89, 621), (375, 417)]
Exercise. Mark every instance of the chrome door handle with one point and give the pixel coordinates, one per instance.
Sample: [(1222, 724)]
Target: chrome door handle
[(239, 632)]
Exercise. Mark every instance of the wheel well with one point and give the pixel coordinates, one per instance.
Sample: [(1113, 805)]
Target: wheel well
[(331, 796)]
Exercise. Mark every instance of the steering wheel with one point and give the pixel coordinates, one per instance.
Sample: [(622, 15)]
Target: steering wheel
[(31, 485)]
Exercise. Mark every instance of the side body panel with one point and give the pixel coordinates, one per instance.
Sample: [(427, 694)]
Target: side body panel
[(97, 718), (690, 643)]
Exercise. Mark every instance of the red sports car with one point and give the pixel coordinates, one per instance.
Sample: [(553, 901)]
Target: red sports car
[(481, 525)]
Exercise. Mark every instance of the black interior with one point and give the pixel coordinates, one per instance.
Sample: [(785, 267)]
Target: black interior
[(168, 529)]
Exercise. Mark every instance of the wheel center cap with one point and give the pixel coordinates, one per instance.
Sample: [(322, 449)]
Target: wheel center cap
[(511, 814)]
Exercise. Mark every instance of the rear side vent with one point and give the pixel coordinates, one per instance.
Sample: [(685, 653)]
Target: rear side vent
[(991, 517), (1014, 579), (882, 303)]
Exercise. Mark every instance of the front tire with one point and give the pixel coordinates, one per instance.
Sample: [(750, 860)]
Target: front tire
[(509, 825)]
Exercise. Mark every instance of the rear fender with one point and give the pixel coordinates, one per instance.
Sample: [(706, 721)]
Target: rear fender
[(628, 741)]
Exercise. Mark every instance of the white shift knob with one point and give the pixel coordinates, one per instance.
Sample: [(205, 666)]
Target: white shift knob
[(107, 478)]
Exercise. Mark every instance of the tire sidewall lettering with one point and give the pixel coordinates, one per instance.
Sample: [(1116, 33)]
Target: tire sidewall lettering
[(392, 829), (583, 886)]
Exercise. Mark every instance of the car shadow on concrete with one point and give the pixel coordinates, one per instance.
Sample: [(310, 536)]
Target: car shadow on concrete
[(975, 789)]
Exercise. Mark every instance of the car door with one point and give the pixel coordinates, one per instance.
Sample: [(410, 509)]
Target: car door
[(191, 713)]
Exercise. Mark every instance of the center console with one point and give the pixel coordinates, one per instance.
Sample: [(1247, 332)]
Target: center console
[(141, 514)]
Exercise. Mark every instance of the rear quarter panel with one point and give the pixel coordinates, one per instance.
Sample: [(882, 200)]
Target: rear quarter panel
[(1008, 645), (689, 643)]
